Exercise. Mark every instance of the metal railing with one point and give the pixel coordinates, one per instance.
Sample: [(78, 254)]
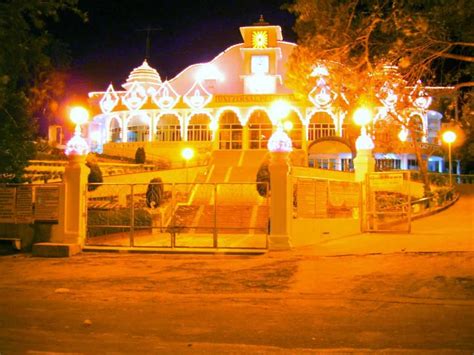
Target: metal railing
[(178, 215)]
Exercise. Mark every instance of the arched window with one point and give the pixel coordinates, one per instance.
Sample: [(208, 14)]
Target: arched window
[(168, 129), (138, 129), (230, 131), (260, 129), (198, 128), (321, 125), (114, 130)]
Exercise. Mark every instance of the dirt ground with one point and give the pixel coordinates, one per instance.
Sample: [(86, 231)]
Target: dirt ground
[(287, 302)]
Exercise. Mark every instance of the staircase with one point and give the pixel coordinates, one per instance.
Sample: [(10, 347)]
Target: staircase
[(239, 208)]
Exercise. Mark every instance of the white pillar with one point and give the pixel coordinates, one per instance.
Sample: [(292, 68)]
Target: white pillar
[(404, 162), (281, 209), (71, 228)]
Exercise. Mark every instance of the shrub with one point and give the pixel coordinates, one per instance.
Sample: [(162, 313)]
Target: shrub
[(263, 180), (95, 175), (140, 156), (154, 193)]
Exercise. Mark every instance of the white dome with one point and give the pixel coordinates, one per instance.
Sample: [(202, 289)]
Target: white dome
[(145, 75)]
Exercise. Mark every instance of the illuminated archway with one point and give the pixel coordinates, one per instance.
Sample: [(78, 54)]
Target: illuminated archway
[(168, 128), (333, 153), (198, 127), (138, 128), (321, 125), (230, 131), (115, 130), (260, 129)]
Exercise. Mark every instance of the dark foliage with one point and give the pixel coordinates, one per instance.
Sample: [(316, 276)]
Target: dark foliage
[(154, 193), (95, 175), (263, 180), (140, 156)]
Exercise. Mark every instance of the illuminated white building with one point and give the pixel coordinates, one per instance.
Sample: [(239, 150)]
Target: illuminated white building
[(226, 104)]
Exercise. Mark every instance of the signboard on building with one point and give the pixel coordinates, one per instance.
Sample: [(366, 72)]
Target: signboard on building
[(386, 181), (232, 99)]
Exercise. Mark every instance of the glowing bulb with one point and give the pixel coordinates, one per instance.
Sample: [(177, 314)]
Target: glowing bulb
[(362, 116), (403, 135), (79, 115), (279, 109), (449, 137), (187, 153), (288, 125)]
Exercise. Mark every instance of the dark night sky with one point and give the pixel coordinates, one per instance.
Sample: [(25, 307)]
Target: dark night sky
[(110, 45)]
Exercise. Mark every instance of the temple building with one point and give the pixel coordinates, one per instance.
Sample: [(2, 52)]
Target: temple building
[(235, 102)]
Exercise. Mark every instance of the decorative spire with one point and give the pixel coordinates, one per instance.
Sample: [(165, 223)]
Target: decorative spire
[(261, 22)]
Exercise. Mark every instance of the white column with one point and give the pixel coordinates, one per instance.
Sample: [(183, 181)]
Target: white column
[(364, 163), (124, 132), (71, 228), (404, 161)]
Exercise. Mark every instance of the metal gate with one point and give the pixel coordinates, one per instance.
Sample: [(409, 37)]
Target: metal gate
[(163, 215), (387, 206)]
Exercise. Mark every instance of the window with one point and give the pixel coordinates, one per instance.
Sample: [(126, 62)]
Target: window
[(259, 64)]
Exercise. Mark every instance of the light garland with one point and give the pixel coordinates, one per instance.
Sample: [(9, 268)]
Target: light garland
[(197, 97), (109, 100), (135, 97), (165, 97)]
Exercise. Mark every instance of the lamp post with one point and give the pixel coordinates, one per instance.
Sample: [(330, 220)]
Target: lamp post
[(187, 154), (77, 145), (364, 161), (281, 202), (449, 137)]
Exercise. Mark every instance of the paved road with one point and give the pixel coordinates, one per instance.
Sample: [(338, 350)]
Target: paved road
[(288, 302)]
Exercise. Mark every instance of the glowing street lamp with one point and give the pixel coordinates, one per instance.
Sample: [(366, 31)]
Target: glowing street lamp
[(449, 137), (288, 126), (362, 117), (187, 154), (77, 145), (279, 110), (403, 135)]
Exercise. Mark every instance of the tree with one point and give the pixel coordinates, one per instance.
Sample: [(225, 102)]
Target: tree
[(29, 56), (356, 39), (140, 155)]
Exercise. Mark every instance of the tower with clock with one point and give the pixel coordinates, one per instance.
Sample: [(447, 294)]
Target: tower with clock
[(260, 55)]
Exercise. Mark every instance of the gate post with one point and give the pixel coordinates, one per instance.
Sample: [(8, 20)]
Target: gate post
[(281, 207), (364, 163), (71, 228)]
